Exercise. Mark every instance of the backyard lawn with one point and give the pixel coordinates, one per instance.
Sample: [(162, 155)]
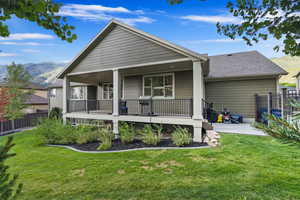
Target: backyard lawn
[(244, 167)]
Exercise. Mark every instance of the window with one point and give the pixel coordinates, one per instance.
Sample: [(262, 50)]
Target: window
[(77, 92), (107, 91), (161, 85), (52, 92)]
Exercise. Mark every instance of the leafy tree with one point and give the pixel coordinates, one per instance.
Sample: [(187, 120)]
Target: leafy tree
[(43, 12), (9, 189), (261, 19), (17, 79), (287, 131)]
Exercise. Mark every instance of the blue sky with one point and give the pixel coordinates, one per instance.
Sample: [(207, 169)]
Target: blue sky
[(191, 24)]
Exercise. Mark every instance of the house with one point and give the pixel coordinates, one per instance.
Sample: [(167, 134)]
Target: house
[(297, 76), (125, 74), (36, 102)]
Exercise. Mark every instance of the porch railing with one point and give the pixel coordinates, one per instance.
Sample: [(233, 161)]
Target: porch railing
[(142, 107), (157, 107), (97, 106), (207, 109)]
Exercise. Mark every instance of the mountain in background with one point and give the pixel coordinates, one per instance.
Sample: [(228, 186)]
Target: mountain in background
[(43, 73), (291, 65)]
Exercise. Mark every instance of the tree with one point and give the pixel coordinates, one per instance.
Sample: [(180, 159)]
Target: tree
[(261, 19), (287, 131), (9, 189), (43, 12), (17, 79)]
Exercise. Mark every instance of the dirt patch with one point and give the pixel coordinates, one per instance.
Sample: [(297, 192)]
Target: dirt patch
[(78, 172)]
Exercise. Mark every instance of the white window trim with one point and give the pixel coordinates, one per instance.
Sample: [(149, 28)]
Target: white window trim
[(84, 93), (159, 97), (106, 83), (53, 95)]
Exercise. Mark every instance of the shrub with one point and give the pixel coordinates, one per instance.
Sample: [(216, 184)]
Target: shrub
[(127, 133), (181, 136), (106, 137), (55, 113), (151, 136), (53, 131), (86, 134)]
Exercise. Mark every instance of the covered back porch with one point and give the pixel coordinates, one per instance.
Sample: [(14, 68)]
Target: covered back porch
[(173, 89)]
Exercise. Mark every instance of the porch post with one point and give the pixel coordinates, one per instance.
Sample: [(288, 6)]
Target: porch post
[(197, 90), (116, 91), (66, 91)]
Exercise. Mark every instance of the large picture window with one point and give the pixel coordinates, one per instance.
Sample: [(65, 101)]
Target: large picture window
[(77, 92), (107, 91), (161, 85)]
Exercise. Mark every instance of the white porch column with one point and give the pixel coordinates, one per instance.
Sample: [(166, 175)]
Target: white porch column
[(116, 128), (197, 90), (66, 92), (116, 91)]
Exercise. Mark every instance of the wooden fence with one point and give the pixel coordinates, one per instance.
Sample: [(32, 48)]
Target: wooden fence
[(29, 120)]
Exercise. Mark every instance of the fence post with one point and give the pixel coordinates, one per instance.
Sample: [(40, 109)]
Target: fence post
[(256, 106), (270, 103), (283, 99)]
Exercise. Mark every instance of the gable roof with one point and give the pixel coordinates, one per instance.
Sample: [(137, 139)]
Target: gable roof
[(242, 64), (36, 100), (31, 85), (100, 36)]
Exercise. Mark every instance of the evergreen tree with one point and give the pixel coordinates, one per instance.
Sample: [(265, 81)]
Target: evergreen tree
[(9, 189), (17, 79)]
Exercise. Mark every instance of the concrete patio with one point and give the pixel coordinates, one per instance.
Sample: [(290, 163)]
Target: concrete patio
[(244, 128)]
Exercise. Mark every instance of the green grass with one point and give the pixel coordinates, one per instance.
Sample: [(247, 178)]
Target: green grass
[(244, 167)]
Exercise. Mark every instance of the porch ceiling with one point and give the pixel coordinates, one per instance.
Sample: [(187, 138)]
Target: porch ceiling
[(107, 76), (93, 78), (161, 68)]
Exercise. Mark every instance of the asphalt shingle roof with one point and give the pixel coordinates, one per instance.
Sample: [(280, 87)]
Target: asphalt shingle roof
[(34, 99), (243, 64)]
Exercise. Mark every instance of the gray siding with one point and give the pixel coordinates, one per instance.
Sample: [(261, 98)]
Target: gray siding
[(56, 101), (133, 87), (238, 96), (184, 85), (121, 48)]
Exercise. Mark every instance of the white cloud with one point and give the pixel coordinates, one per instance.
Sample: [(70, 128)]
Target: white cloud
[(99, 8), (133, 21), (24, 36), (212, 18), (21, 43), (30, 50), (103, 13), (2, 54), (225, 40)]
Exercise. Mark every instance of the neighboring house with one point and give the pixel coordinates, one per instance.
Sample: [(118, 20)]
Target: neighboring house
[(36, 102), (297, 81), (128, 75)]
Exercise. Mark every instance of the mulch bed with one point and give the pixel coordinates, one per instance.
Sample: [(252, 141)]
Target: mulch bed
[(117, 145)]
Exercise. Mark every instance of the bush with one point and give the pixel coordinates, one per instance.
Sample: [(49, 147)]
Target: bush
[(53, 131), (181, 136), (86, 134), (106, 137), (127, 133), (55, 113), (151, 136)]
